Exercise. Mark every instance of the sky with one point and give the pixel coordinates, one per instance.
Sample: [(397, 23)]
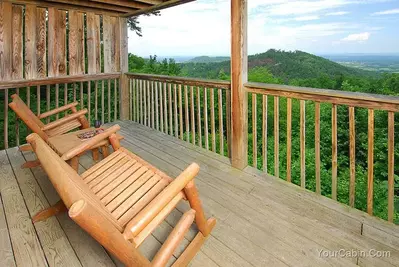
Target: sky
[(315, 26)]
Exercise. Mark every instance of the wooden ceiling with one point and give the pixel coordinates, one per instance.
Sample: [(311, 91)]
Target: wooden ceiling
[(124, 8)]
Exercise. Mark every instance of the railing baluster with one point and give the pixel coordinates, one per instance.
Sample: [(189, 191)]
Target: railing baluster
[(165, 106), (156, 105), (254, 133), (181, 113), (66, 96), (37, 100), (137, 84), (141, 91), (48, 101), (102, 100), (302, 142), (131, 100), (152, 105), (81, 96), (221, 130), (57, 94), (212, 103), (276, 136), (88, 101), (228, 121), (352, 166), (391, 165), (199, 117), (148, 103), (109, 100), (317, 146), (334, 152), (145, 102), (5, 118), (264, 133), (17, 121), (289, 135), (161, 106), (170, 110), (192, 115), (206, 118), (175, 110), (370, 162), (187, 116), (96, 100)]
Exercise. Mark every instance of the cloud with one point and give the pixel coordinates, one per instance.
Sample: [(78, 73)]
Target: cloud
[(357, 37), (307, 18), (387, 12), (339, 13)]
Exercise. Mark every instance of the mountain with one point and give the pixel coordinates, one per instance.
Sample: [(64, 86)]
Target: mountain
[(206, 59), (285, 65)]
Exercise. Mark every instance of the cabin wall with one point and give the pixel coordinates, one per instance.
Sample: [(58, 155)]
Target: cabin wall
[(40, 42)]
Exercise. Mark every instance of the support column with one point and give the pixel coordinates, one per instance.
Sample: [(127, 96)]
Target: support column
[(124, 67), (239, 76)]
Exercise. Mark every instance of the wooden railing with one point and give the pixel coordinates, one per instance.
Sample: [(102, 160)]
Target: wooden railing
[(290, 102), (194, 110), (99, 93)]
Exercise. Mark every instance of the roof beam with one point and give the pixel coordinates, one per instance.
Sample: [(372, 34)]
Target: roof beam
[(164, 5), (41, 3), (127, 3), (86, 3)]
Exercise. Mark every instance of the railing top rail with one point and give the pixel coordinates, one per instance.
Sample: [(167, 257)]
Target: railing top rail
[(182, 80), (58, 80), (323, 95)]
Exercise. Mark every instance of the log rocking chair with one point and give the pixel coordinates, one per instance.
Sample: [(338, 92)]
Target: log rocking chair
[(122, 199), (58, 127)]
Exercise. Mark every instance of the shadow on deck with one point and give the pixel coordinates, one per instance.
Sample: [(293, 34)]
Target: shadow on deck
[(262, 220)]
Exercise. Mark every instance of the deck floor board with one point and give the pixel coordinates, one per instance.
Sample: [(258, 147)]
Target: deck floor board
[(262, 220)]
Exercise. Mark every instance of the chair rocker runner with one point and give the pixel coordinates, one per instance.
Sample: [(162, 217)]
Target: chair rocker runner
[(122, 199)]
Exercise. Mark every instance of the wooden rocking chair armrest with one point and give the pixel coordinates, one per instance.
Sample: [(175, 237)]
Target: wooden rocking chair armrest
[(57, 110), (64, 120), (90, 143), (144, 217)]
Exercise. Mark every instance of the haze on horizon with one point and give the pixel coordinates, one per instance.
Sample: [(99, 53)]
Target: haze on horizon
[(315, 26)]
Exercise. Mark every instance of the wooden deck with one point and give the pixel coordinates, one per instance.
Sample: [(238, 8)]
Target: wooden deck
[(262, 221)]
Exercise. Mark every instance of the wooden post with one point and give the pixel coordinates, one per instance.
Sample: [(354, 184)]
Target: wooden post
[(124, 67), (239, 76)]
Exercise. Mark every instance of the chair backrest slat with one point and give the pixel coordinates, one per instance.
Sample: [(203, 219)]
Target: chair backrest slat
[(25, 114)]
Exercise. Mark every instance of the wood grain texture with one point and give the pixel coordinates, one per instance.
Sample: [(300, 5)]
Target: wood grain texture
[(56, 42), (370, 163), (334, 144), (17, 45), (6, 42), (352, 158), (30, 61), (289, 136), (302, 133), (76, 43), (180, 112), (391, 164), (213, 128), (170, 96), (187, 117), (56, 246), (6, 252), (317, 147), (41, 43), (93, 43), (161, 108), (239, 76), (26, 246)]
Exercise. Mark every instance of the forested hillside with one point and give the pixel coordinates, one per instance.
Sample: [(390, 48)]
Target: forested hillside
[(303, 69)]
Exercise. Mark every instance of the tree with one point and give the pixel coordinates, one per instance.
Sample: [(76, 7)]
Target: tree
[(133, 22)]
